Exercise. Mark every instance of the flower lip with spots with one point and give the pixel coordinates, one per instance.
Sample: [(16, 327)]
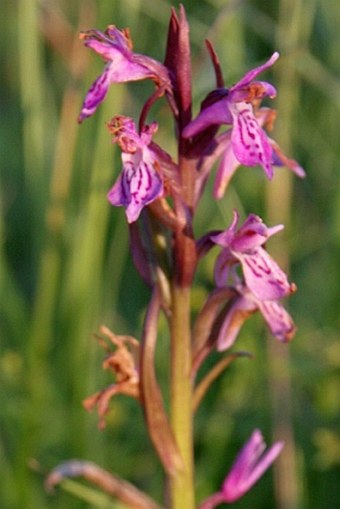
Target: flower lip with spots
[(140, 182), (249, 144), (249, 141), (229, 163)]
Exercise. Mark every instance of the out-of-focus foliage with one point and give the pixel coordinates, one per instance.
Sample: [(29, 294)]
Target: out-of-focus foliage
[(64, 255)]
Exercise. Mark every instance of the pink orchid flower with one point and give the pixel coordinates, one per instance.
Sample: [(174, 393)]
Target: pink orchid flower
[(250, 465), (140, 182), (122, 65)]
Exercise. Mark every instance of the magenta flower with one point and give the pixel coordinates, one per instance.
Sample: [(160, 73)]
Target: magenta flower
[(263, 277), (264, 281), (250, 465), (140, 182), (247, 144), (115, 46)]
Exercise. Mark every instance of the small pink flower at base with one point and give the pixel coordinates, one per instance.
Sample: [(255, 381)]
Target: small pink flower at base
[(263, 276), (115, 46), (250, 465), (140, 182)]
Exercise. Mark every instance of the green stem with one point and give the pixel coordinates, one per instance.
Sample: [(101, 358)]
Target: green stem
[(182, 485), (182, 489)]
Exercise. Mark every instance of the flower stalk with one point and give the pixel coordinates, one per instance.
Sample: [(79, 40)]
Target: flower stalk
[(185, 257), (181, 486)]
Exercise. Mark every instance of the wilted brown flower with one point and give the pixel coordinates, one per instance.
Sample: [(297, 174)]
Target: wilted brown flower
[(123, 362)]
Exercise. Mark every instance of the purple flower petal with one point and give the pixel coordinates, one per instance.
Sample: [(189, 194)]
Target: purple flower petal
[(217, 113), (278, 320), (107, 49), (250, 145), (140, 182), (137, 186), (235, 318), (224, 262), (249, 76), (257, 90), (264, 281), (280, 159), (114, 46), (225, 238), (263, 276), (249, 466), (225, 171), (115, 72), (252, 234), (276, 317), (249, 141), (96, 94)]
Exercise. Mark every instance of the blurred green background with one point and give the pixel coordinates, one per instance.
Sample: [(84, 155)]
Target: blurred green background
[(65, 266)]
